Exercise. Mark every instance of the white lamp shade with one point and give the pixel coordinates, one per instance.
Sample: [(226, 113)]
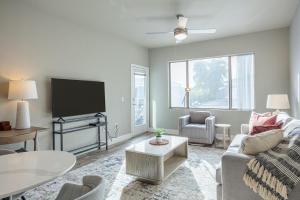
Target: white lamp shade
[(278, 101), (22, 89)]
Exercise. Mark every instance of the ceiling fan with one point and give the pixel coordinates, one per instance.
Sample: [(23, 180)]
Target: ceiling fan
[(181, 31)]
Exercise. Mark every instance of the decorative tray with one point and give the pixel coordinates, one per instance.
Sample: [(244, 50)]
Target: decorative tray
[(156, 142)]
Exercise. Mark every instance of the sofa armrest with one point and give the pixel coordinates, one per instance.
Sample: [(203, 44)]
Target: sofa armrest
[(245, 129), (183, 121), (234, 165), (210, 127)]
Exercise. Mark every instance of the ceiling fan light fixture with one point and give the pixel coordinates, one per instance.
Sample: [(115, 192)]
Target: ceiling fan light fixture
[(180, 33)]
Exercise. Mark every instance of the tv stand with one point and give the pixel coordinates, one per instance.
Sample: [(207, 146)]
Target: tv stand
[(60, 119), (97, 121), (99, 115)]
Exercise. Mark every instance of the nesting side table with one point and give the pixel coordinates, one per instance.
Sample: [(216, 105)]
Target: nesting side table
[(226, 133)]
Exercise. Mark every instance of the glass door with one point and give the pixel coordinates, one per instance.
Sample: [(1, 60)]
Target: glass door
[(139, 96)]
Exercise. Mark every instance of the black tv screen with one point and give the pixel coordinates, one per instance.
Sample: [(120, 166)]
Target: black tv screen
[(77, 97)]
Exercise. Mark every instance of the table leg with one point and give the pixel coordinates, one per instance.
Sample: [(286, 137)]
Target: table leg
[(61, 142), (61, 138), (99, 134), (224, 137), (106, 133), (53, 136), (25, 145), (35, 142)]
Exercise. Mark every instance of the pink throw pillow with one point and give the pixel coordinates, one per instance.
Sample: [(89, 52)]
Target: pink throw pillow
[(261, 120), (263, 128)]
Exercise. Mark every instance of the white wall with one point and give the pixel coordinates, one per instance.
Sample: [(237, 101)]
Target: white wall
[(295, 64), (37, 46), (271, 50)]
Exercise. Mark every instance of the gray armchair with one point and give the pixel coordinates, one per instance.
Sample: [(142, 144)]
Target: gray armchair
[(92, 189), (199, 127)]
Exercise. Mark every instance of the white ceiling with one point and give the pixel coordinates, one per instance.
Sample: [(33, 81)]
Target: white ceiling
[(130, 19)]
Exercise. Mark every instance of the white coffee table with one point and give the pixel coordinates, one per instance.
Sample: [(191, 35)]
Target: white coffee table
[(152, 163), (20, 172)]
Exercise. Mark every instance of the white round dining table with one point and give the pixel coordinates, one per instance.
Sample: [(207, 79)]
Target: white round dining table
[(20, 172)]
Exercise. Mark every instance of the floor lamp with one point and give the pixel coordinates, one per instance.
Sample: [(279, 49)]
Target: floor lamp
[(22, 90)]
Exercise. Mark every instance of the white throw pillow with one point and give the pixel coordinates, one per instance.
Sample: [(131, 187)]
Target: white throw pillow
[(290, 126), (254, 144)]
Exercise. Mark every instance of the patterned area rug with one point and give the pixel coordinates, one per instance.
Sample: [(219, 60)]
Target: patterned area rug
[(193, 180)]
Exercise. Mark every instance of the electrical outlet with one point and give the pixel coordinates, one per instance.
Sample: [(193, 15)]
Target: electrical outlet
[(116, 129)]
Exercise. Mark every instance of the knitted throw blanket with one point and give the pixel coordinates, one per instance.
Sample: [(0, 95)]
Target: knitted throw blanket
[(275, 173)]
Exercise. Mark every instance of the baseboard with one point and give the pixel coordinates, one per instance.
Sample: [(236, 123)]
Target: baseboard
[(122, 138), (168, 131), (116, 141)]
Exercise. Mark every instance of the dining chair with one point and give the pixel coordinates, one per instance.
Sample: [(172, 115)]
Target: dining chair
[(92, 188)]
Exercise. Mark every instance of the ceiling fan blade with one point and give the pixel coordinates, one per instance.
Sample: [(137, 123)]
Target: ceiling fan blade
[(182, 21), (158, 33), (199, 31)]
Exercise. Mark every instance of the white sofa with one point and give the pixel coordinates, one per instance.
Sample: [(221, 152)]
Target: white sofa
[(229, 175)]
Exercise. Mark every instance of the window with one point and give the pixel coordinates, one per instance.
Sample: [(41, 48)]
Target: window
[(178, 84), (223, 82)]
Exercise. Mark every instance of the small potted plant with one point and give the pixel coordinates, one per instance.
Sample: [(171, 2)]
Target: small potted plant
[(158, 134)]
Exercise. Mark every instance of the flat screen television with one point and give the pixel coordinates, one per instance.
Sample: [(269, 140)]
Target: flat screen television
[(77, 97)]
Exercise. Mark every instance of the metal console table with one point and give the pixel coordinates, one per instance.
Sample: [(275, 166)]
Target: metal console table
[(101, 120)]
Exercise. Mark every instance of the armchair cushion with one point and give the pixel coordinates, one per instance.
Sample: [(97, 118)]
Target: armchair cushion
[(196, 126), (198, 117), (195, 131)]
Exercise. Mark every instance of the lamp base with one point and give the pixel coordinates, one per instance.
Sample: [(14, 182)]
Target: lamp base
[(276, 112), (23, 117)]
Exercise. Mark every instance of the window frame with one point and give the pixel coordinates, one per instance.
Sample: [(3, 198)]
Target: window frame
[(186, 101)]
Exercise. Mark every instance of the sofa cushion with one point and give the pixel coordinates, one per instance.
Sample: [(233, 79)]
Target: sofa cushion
[(290, 126), (296, 131), (196, 126), (198, 117), (261, 142)]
